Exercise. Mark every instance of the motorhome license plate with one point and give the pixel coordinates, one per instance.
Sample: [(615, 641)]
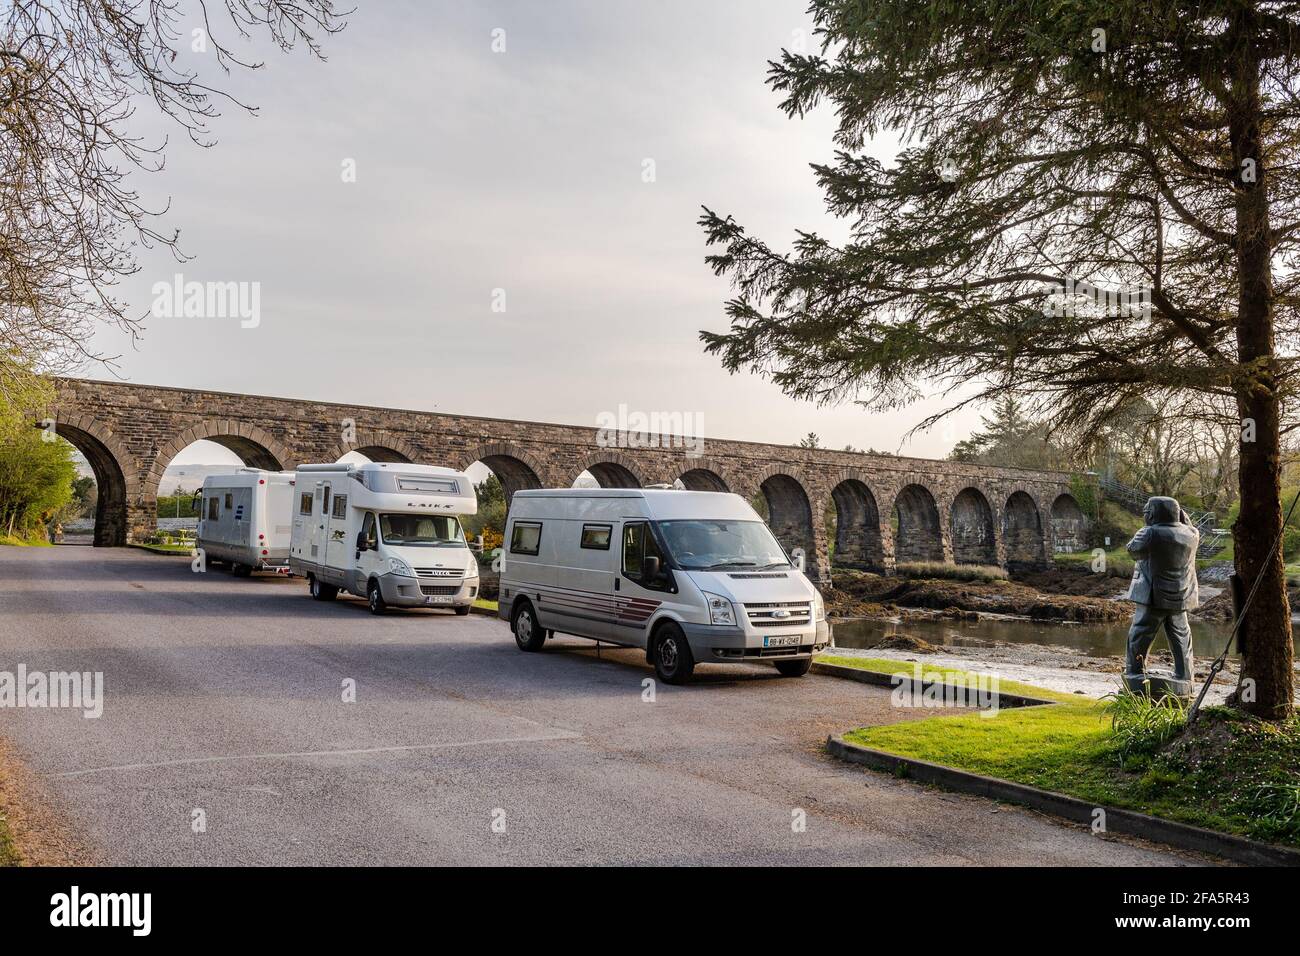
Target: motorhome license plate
[(441, 599), (788, 640)]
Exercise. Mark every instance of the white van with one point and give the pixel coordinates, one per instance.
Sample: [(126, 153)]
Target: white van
[(386, 531), (691, 576), (244, 520)]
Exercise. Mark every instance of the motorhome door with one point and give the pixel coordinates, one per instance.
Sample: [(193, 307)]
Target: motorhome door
[(321, 512)]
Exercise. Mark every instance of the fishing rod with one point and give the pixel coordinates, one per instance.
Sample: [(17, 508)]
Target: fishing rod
[(1241, 616)]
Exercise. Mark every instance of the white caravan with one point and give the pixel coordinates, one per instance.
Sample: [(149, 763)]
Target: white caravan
[(385, 531), (690, 576), (244, 520)]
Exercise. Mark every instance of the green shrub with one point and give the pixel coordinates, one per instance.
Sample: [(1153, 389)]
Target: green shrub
[(1141, 724)]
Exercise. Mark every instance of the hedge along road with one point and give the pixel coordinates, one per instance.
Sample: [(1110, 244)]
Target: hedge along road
[(224, 712)]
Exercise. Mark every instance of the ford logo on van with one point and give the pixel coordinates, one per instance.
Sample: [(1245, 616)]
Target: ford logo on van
[(781, 612)]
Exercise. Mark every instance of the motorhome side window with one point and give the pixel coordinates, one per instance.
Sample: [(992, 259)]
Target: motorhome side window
[(639, 544), (213, 504), (526, 537), (325, 502), (596, 536), (304, 503), (230, 501), (340, 506)]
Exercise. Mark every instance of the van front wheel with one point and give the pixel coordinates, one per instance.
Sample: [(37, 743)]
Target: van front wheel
[(375, 598), (528, 633), (674, 662), (794, 668)]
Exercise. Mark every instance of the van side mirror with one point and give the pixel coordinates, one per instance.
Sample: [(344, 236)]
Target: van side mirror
[(362, 544), (649, 568)]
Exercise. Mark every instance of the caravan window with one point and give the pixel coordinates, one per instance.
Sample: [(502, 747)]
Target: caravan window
[(230, 501), (340, 506), (526, 537), (304, 503), (212, 509), (595, 537)]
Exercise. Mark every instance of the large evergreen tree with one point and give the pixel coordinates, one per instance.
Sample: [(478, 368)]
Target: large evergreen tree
[(1144, 148)]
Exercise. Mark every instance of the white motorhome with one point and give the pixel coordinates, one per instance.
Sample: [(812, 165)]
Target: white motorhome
[(244, 520), (690, 576), (389, 532)]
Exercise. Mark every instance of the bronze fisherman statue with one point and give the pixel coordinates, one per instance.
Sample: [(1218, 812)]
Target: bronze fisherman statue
[(1164, 588)]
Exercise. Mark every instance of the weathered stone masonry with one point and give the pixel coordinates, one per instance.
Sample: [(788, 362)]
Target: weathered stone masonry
[(945, 511)]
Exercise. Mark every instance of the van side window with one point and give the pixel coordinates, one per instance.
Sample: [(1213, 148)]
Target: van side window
[(595, 537), (638, 544), (230, 501), (213, 504), (340, 506), (368, 529), (304, 503), (526, 537)]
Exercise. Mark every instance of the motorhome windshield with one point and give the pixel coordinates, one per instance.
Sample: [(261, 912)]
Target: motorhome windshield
[(442, 531), (706, 545)]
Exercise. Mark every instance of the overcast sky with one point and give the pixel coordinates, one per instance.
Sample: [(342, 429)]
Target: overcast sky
[(519, 171)]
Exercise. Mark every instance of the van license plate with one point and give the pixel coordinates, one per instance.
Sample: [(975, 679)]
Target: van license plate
[(788, 640), (441, 599)]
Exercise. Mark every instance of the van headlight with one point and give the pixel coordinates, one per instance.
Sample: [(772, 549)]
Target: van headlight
[(819, 606), (720, 609), (473, 570), (398, 566)]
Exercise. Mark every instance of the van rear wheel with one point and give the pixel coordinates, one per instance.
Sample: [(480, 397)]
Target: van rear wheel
[(794, 668), (320, 591), (528, 633), (674, 662)]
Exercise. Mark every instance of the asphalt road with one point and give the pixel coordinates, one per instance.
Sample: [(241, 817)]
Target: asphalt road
[(225, 695)]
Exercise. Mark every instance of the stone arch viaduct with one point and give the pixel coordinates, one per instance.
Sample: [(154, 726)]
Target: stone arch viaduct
[(888, 509)]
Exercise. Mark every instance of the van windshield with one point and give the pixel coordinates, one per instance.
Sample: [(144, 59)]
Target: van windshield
[(440, 531), (706, 545)]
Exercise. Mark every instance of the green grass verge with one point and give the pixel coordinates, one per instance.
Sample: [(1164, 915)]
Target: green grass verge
[(486, 605), (1228, 773), (185, 549), (8, 852), (14, 542), (886, 666)]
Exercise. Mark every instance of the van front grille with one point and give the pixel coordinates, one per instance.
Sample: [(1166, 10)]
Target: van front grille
[(779, 614), (437, 572), (430, 590)]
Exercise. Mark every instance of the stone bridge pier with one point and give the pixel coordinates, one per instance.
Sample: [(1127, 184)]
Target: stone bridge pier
[(882, 510)]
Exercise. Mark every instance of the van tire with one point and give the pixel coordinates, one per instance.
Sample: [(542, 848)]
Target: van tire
[(462, 611), (321, 591), (529, 635), (796, 668), (241, 570), (673, 660), (375, 598)]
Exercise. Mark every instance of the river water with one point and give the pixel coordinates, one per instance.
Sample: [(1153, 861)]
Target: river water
[(1093, 639)]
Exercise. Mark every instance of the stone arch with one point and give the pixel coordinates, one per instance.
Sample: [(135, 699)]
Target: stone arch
[(702, 477), (612, 470), (378, 446), (858, 541), (1069, 525), (1022, 531), (514, 467), (919, 535), (253, 444), (115, 479), (789, 514), (973, 538)]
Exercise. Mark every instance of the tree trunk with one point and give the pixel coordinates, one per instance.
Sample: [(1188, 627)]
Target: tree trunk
[(1265, 687)]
